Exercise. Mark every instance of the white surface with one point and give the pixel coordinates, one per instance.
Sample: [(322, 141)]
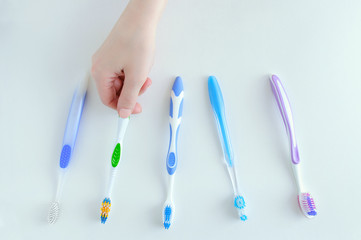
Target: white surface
[(313, 46)]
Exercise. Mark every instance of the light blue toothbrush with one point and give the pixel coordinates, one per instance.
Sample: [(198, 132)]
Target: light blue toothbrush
[(216, 98), (70, 134), (175, 117)]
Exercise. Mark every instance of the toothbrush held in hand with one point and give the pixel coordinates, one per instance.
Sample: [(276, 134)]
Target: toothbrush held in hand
[(305, 199), (216, 98), (69, 139), (175, 117), (116, 157)]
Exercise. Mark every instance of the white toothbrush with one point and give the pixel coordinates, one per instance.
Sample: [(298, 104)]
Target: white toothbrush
[(116, 158), (175, 117)]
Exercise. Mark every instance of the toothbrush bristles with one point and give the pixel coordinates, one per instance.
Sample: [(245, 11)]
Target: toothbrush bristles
[(307, 205), (53, 212), (105, 209), (240, 204), (167, 216)]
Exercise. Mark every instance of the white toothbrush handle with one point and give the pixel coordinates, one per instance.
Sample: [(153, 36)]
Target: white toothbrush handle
[(175, 117), (117, 152), (122, 127)]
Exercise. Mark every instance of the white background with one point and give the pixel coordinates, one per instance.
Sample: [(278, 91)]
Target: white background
[(313, 46)]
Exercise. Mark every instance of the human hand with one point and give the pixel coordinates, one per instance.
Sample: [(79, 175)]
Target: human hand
[(121, 65)]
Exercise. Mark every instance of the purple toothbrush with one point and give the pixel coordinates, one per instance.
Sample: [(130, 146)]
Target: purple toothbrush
[(305, 200)]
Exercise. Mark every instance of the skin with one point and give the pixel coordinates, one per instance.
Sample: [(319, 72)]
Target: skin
[(121, 65)]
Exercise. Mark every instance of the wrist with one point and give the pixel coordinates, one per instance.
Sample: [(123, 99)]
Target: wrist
[(143, 14)]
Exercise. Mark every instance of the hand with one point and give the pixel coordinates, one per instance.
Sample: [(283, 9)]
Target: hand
[(121, 65)]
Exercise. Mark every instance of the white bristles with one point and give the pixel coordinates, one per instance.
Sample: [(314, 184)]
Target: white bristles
[(53, 213)]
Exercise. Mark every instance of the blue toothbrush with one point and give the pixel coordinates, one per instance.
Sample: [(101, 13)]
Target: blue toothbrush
[(69, 139), (216, 98), (175, 117)]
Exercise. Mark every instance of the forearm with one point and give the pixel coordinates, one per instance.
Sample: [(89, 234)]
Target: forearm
[(144, 13)]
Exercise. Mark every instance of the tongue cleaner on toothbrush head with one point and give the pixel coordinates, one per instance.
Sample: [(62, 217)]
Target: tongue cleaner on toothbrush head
[(305, 199)]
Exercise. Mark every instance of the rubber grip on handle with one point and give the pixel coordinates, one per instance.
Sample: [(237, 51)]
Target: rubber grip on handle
[(65, 156)]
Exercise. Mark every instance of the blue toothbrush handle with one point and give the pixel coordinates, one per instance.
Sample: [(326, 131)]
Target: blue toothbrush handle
[(72, 124), (175, 117), (216, 98)]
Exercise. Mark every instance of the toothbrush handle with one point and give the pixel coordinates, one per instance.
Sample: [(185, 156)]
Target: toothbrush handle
[(216, 98), (117, 153), (72, 124), (175, 117), (286, 112)]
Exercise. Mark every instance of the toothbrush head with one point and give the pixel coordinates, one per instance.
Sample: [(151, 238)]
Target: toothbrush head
[(168, 215), (240, 204), (106, 204), (53, 214), (307, 205)]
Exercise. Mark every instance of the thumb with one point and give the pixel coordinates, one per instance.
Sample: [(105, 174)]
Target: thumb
[(128, 96)]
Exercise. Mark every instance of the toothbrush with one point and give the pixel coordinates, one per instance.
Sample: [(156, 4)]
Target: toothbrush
[(216, 98), (175, 117), (305, 200), (116, 157), (69, 139)]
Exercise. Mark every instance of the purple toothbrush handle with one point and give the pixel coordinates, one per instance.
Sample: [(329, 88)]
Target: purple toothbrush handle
[(286, 112)]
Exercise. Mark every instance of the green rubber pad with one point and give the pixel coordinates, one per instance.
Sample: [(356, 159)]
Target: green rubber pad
[(116, 155)]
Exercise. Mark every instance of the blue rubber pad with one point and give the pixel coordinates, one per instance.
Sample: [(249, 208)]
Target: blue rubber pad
[(180, 113), (171, 108), (177, 86), (171, 163), (65, 156)]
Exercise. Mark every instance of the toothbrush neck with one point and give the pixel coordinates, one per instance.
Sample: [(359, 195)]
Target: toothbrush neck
[(60, 184), (122, 127), (170, 187), (297, 175), (233, 176)]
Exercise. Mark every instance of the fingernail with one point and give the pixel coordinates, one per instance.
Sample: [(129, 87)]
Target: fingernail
[(124, 113)]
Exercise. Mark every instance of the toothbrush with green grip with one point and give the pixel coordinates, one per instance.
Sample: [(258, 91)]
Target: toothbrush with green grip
[(216, 99), (115, 160)]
